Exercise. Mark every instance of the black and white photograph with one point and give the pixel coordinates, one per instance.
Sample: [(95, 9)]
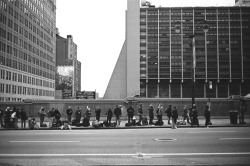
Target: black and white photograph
[(124, 82)]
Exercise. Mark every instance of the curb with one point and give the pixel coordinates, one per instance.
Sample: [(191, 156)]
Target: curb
[(132, 127)]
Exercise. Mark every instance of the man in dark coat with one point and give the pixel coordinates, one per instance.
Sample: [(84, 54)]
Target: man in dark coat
[(97, 113), (151, 114), (169, 113), (69, 112), (78, 115), (118, 113), (207, 115), (130, 113)]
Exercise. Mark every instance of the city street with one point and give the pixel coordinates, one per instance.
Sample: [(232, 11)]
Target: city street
[(158, 146)]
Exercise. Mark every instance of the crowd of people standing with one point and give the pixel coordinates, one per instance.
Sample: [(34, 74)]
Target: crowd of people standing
[(9, 117)]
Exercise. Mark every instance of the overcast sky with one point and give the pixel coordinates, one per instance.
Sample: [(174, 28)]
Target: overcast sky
[(98, 29)]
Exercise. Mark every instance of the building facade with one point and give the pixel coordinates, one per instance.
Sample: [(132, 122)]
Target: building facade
[(68, 68), (160, 60), (27, 49)]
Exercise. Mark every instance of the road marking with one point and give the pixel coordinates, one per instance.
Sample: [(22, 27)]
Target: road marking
[(197, 132), (42, 141), (122, 155), (233, 138), (61, 133)]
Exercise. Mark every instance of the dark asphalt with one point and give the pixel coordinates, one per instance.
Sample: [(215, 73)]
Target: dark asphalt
[(190, 146)]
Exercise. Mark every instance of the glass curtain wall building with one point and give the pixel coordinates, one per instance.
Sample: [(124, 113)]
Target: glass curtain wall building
[(27, 49), (222, 54), (165, 57)]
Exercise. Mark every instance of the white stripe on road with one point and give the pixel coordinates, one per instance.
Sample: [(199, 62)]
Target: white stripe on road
[(199, 132), (233, 138), (43, 141), (141, 154), (61, 133)]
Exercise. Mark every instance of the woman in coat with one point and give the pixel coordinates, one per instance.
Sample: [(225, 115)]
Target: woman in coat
[(151, 114), (174, 118)]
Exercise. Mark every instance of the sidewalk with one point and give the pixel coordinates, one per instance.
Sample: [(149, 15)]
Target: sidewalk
[(216, 122)]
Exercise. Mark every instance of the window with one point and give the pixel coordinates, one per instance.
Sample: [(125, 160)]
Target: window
[(19, 77), (8, 75), (2, 74), (1, 88), (14, 77)]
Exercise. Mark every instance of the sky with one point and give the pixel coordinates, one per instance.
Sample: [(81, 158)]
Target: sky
[(98, 30)]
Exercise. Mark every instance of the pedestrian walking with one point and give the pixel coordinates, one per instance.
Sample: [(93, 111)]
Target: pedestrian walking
[(7, 117), (24, 117), (78, 116), (69, 112), (109, 116), (118, 113), (151, 114), (140, 113), (88, 113), (51, 116), (41, 114), (207, 116), (130, 113), (174, 117), (2, 117), (168, 111), (97, 113), (185, 115)]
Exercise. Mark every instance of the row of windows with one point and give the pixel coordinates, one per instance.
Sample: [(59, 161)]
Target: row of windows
[(21, 90), (27, 57), (12, 76), (10, 99), (208, 12)]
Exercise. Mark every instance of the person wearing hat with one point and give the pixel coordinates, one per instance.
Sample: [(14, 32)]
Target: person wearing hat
[(140, 112)]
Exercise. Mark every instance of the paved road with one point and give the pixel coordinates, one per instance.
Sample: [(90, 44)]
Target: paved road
[(186, 146)]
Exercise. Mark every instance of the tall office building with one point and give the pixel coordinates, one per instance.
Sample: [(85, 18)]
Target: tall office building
[(27, 49), (156, 61), (68, 68)]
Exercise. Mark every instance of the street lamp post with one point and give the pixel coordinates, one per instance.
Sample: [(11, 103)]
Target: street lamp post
[(205, 28)]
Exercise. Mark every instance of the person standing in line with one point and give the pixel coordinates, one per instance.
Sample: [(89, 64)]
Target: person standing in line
[(14, 117), (168, 111), (97, 113), (69, 112), (57, 115), (1, 117), (174, 117), (185, 114), (140, 113), (41, 114), (109, 116), (118, 113), (7, 117), (151, 114), (78, 115), (194, 116), (159, 113), (207, 115), (24, 117), (130, 113), (88, 113), (51, 116)]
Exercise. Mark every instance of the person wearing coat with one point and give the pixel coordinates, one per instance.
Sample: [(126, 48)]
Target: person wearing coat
[(24, 117), (118, 113), (168, 111), (109, 116), (78, 115), (174, 117), (97, 113), (69, 112), (41, 114), (207, 115), (151, 114), (130, 113)]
